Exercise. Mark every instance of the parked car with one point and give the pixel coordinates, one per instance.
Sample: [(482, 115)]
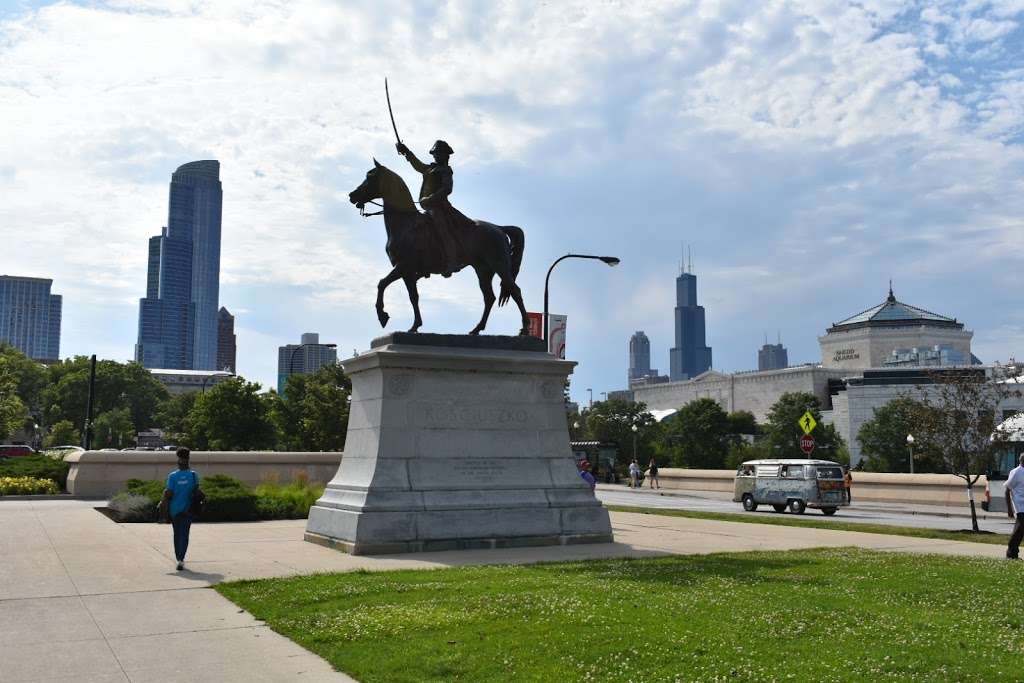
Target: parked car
[(790, 484), (15, 450)]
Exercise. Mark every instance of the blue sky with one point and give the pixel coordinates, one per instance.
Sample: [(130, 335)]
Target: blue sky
[(807, 151)]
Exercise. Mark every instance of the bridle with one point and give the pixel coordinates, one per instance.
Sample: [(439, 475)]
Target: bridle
[(366, 214)]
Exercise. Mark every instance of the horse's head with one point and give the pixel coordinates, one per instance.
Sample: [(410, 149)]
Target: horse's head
[(384, 184), (369, 189)]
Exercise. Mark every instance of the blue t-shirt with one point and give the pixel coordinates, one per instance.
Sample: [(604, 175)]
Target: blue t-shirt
[(181, 483)]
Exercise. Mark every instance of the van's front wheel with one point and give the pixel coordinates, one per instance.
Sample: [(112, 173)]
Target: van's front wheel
[(748, 503), (797, 506)]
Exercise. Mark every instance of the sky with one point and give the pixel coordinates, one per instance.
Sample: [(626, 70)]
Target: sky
[(807, 152)]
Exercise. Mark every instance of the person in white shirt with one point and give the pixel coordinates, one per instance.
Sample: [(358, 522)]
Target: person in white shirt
[(634, 474), (1015, 508)]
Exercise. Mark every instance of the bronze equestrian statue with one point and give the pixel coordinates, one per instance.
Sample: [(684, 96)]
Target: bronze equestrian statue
[(441, 241)]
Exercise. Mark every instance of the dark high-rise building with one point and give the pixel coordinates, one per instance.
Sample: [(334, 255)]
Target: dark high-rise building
[(639, 356), (772, 356), (178, 316), (691, 356), (30, 316), (226, 346)]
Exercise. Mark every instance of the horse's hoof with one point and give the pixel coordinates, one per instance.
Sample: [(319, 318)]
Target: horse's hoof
[(413, 330), (383, 318), (474, 332)]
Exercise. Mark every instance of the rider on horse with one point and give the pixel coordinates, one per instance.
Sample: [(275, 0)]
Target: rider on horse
[(437, 185)]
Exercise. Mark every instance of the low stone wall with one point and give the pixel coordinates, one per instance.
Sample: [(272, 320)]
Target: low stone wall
[(916, 489), (98, 474)]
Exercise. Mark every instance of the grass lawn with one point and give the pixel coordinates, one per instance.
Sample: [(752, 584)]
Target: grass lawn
[(823, 523), (813, 615)]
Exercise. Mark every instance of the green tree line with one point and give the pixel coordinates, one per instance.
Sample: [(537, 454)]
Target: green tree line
[(50, 402)]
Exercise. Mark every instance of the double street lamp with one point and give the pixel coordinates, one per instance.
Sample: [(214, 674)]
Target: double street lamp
[(609, 260)]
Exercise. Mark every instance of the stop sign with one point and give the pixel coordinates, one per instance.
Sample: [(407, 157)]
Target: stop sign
[(807, 444)]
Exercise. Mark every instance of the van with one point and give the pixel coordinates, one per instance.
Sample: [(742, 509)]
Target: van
[(790, 484)]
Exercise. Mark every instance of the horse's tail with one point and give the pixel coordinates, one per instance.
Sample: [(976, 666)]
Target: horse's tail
[(517, 240)]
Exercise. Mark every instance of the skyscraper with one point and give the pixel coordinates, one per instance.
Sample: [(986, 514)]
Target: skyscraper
[(691, 356), (226, 347), (772, 356), (639, 356), (178, 316), (30, 316), (299, 359)]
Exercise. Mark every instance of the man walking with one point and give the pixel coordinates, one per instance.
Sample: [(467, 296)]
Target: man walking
[(1015, 508), (182, 485)]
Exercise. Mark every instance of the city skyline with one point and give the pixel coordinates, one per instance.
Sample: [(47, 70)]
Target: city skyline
[(30, 316), (807, 153)]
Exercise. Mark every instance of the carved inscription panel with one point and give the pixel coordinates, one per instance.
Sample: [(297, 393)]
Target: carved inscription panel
[(475, 416)]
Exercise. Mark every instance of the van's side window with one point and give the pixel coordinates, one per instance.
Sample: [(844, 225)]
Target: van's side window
[(793, 471)]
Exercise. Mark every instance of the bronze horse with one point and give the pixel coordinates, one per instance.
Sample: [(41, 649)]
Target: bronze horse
[(490, 249)]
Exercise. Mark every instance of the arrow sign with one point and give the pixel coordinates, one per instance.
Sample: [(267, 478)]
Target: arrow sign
[(807, 422), (807, 444)]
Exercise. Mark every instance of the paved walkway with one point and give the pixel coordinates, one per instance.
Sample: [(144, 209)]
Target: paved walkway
[(82, 597)]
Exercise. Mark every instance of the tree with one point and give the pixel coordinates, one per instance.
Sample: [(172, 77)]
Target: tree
[(956, 420), (63, 433), (118, 385), (173, 416), (231, 416), (883, 439), (613, 420), (29, 376), (113, 429), (743, 422), (312, 415), (699, 435), (13, 411), (783, 431)]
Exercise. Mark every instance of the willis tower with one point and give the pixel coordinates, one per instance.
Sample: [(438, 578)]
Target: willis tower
[(691, 356)]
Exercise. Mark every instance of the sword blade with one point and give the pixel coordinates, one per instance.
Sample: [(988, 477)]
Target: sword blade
[(390, 113)]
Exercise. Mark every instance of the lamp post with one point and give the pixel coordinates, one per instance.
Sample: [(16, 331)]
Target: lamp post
[(218, 373), (610, 260), (634, 441), (291, 358), (591, 393), (910, 444)]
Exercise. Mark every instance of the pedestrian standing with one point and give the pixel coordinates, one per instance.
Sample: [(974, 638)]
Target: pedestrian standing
[(634, 474), (587, 476), (181, 490), (848, 484), (1015, 508), (652, 472)]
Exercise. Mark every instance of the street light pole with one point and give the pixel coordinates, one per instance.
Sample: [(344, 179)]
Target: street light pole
[(634, 441), (610, 260), (591, 393), (910, 443), (291, 359), (219, 373)]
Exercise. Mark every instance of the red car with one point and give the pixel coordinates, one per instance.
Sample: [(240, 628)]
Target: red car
[(15, 450)]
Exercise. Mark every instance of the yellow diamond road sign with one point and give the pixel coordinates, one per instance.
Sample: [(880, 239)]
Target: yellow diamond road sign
[(807, 422)]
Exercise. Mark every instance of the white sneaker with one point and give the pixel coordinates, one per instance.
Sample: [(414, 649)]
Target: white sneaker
[(181, 565)]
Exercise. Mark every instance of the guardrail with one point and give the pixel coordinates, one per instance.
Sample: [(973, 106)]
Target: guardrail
[(882, 487), (98, 474)]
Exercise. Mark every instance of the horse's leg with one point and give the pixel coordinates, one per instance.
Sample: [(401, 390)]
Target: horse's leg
[(484, 276), (382, 316), (414, 299), (517, 296)]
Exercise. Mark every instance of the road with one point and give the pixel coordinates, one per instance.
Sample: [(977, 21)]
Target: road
[(927, 517)]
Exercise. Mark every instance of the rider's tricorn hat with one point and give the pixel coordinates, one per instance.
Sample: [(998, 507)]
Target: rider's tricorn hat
[(442, 147)]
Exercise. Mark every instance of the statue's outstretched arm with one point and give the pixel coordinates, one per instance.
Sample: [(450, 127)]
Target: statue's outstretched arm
[(411, 158)]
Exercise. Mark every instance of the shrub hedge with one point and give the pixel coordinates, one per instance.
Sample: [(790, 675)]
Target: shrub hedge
[(227, 500), (27, 486), (37, 467)]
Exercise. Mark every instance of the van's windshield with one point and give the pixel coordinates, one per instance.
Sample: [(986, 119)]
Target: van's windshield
[(830, 473)]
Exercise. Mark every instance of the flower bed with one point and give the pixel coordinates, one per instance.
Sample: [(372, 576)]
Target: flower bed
[(27, 486), (36, 467)]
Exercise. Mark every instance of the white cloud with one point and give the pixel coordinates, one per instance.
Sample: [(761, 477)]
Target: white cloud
[(809, 150)]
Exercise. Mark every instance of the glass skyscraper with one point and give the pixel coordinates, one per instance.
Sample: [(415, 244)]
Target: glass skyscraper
[(30, 316), (178, 316)]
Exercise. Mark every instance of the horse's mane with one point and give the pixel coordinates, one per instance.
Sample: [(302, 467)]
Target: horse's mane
[(394, 191)]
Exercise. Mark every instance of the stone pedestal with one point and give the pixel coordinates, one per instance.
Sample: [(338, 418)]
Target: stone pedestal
[(456, 442)]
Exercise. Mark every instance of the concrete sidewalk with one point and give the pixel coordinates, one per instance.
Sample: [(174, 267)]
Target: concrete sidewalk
[(83, 597)]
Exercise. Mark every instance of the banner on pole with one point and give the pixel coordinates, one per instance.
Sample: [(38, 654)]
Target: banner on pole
[(556, 331)]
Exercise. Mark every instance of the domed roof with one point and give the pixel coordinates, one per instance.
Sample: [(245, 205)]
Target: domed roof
[(894, 313)]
